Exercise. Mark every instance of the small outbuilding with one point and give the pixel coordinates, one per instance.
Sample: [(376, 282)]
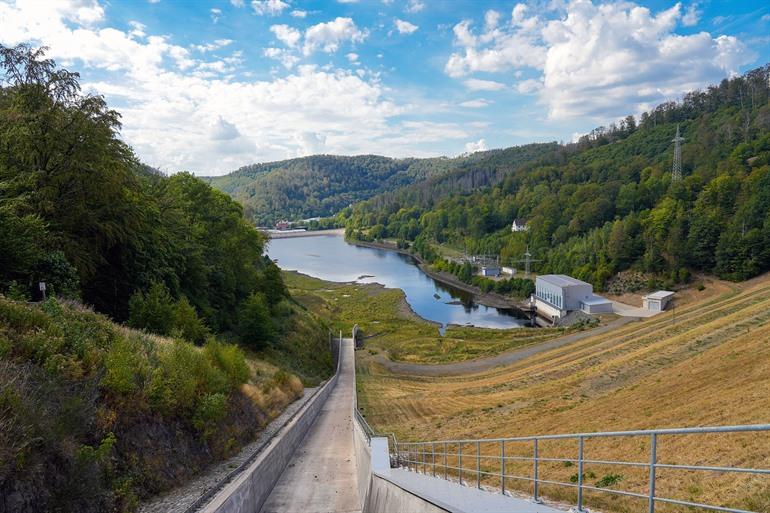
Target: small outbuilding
[(658, 301), (490, 271), (596, 305)]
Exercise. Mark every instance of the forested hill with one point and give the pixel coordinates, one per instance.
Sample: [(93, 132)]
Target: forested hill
[(608, 203), (322, 185)]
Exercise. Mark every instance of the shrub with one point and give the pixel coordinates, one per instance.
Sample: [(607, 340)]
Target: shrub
[(230, 359), (187, 323), (153, 311), (122, 364), (211, 409)]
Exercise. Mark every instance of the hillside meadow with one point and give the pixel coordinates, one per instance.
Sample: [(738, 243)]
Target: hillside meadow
[(706, 363)]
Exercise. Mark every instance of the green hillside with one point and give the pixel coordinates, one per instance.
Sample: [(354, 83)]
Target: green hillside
[(96, 415), (322, 185), (607, 203)]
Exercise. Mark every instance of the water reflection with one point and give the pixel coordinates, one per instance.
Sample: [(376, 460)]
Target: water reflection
[(330, 258)]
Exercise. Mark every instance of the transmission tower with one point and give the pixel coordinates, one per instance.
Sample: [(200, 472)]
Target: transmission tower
[(676, 171), (528, 260)]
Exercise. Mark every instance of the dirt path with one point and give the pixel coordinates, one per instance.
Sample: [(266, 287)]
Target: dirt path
[(483, 364)]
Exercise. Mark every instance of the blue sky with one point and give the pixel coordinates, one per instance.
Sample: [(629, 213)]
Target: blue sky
[(208, 86)]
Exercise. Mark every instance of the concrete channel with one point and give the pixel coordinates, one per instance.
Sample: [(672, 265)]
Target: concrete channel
[(324, 462)]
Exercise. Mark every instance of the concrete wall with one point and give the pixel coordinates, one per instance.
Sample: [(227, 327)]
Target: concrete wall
[(386, 497), (363, 461), (248, 492)]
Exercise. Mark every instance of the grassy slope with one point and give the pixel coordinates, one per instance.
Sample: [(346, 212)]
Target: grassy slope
[(385, 317), (709, 367), (95, 416)]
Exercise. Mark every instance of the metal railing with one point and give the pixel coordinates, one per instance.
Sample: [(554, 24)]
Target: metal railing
[(445, 458)]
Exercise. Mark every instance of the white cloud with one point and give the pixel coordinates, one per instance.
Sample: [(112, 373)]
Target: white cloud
[(269, 7), (184, 113), (352, 57), (598, 60), (328, 36), (404, 27), (222, 130), (298, 13), (215, 14), (414, 6), (475, 84), (766, 17), (529, 86), (491, 19), (609, 60), (237, 3), (286, 57), (215, 45), (473, 147), (286, 34), (691, 15), (475, 104)]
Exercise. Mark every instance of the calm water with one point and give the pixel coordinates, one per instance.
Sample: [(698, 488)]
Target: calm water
[(330, 258)]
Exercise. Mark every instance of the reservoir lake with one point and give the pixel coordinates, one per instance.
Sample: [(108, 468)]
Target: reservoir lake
[(330, 258)]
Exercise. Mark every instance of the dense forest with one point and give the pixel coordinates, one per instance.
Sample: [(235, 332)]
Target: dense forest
[(88, 407), (322, 185), (607, 203)]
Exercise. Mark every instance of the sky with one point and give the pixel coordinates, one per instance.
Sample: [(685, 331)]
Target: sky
[(207, 86)]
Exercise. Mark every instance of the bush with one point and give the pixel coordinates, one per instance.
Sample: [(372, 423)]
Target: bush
[(153, 311), (210, 411), (123, 365), (187, 323), (230, 359)]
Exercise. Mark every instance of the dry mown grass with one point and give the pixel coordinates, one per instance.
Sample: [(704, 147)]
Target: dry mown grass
[(709, 367)]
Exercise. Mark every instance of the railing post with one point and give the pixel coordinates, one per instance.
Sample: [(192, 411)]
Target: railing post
[(446, 468), (433, 457), (502, 467), (398, 455), (535, 476), (478, 464), (653, 462), (460, 461), (580, 474), (422, 451)]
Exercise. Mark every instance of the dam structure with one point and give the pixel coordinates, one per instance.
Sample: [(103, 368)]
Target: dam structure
[(328, 459)]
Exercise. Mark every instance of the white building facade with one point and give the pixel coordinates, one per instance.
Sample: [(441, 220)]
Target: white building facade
[(558, 294)]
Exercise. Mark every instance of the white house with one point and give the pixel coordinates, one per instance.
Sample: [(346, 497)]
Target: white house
[(557, 294), (519, 225), (658, 301)]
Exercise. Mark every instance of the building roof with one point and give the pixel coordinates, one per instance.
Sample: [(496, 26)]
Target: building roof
[(661, 294), (596, 300), (520, 222), (561, 280)]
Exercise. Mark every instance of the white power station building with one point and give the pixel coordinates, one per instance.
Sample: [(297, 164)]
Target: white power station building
[(557, 294)]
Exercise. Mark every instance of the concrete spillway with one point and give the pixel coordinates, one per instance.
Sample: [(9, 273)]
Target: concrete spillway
[(322, 462), (322, 474)]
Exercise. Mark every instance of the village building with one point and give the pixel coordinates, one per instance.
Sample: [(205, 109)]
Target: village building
[(519, 225)]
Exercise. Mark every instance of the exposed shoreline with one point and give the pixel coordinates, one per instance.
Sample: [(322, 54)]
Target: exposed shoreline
[(309, 233), (489, 299)]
